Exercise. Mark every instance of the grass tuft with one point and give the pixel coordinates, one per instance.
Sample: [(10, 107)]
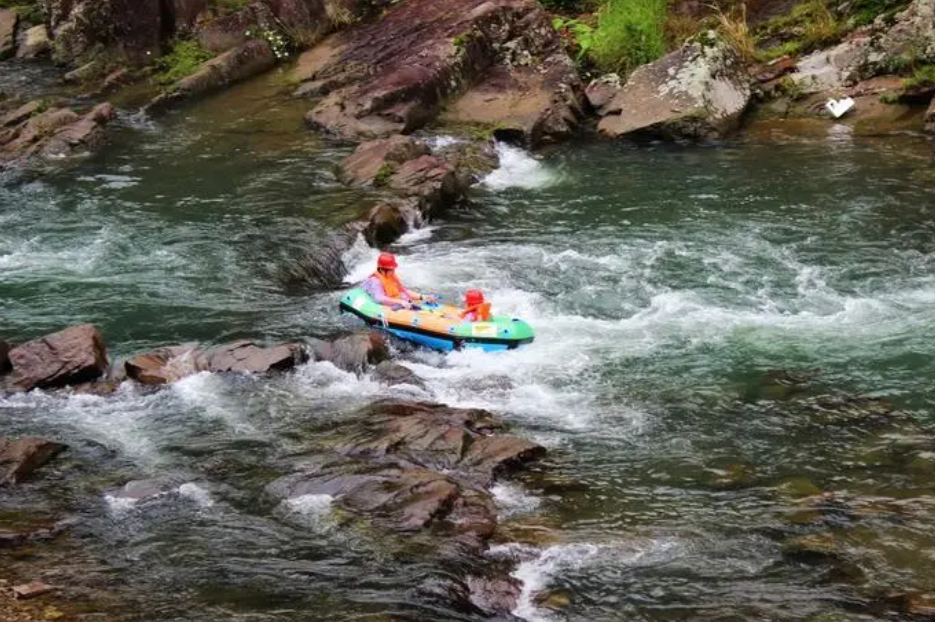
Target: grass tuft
[(184, 60), (629, 33)]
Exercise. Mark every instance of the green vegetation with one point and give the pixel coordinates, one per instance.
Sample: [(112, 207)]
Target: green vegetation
[(629, 33), (383, 175), (184, 60), (577, 36), (922, 77), (226, 7), (807, 27), (865, 11), (789, 48), (733, 27), (571, 7), (890, 97), (30, 11)]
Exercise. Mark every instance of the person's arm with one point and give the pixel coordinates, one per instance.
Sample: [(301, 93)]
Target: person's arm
[(373, 287)]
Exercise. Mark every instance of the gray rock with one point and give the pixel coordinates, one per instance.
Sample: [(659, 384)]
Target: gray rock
[(699, 91), (8, 22), (353, 352), (34, 43), (392, 373)]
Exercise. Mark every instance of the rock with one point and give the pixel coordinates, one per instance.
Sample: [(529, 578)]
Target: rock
[(494, 595), (8, 22), (166, 365), (388, 220), (31, 590), (929, 118), (495, 455), (395, 498), (699, 91), (20, 114), (601, 91), (148, 489), (238, 64), (246, 357), (5, 365), (393, 374), (320, 264), (54, 133), (12, 538), (831, 69), (556, 600), (373, 161), (819, 547), (353, 352), (20, 458), (492, 62), (71, 356), (767, 72), (129, 29), (34, 43), (184, 14)]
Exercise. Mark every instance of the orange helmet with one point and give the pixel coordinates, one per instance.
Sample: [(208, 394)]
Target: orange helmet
[(473, 297), (386, 261)]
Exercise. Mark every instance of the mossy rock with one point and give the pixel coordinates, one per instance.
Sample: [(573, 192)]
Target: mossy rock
[(812, 548)]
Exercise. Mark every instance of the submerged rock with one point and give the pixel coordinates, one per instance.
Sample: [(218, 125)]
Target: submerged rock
[(20, 458), (166, 365), (320, 265), (490, 61), (699, 91), (393, 374), (72, 356)]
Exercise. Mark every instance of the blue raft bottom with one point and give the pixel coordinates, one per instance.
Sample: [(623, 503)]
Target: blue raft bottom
[(445, 345)]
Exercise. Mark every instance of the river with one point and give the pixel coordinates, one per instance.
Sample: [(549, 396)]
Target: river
[(663, 283)]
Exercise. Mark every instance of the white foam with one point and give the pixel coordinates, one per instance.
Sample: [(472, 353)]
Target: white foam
[(415, 236), (312, 511), (513, 500), (196, 493), (208, 392), (518, 169)]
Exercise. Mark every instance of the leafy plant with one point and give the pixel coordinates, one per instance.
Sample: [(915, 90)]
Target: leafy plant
[(679, 28), (789, 48), (227, 7), (922, 77), (629, 33), (184, 60), (866, 11), (576, 34), (889, 97)]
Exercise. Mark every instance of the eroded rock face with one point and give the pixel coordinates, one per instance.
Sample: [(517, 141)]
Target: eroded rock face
[(166, 365), (81, 28), (71, 356), (492, 61), (53, 134), (374, 161), (699, 91), (21, 457)]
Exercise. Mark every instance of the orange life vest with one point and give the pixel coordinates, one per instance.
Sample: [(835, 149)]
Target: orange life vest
[(482, 310), (391, 285)]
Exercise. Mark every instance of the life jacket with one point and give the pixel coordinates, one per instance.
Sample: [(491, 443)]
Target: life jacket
[(391, 285), (481, 311)]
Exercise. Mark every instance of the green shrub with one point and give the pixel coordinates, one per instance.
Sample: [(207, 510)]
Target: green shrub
[(30, 11), (226, 7), (923, 76), (184, 60), (577, 36), (865, 11), (889, 97), (570, 7), (789, 48), (629, 33)]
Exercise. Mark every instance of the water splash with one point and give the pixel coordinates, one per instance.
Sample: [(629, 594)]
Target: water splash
[(518, 169)]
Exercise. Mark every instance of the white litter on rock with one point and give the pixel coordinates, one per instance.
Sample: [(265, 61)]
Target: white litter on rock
[(838, 107)]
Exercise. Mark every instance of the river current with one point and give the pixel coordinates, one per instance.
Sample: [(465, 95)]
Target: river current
[(663, 283)]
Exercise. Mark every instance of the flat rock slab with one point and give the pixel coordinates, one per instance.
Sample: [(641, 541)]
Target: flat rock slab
[(31, 590), (72, 356), (20, 458)]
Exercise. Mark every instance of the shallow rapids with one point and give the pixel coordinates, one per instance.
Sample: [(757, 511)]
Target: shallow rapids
[(662, 283)]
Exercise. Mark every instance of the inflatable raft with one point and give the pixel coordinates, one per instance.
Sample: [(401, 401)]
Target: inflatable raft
[(438, 326)]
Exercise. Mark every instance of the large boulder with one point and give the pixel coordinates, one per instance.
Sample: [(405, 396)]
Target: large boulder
[(19, 458), (374, 161), (354, 352), (81, 29), (71, 356), (699, 91), (34, 43), (493, 62), (166, 365), (8, 23)]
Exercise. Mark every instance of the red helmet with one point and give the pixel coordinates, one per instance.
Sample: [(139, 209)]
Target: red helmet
[(386, 261), (473, 297)]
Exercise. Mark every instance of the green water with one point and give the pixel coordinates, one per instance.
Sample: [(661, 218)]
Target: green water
[(663, 283)]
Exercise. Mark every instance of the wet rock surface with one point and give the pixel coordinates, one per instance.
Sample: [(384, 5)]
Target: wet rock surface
[(71, 356), (166, 365), (393, 374), (354, 352), (397, 74), (700, 91), (20, 458), (30, 132), (8, 23)]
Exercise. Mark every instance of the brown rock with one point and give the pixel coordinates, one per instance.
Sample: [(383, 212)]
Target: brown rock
[(353, 352), (8, 22), (131, 29), (31, 590), (392, 374), (5, 365), (379, 158), (21, 114), (247, 357), (491, 61), (495, 595), (388, 220), (71, 356), (19, 458), (601, 91), (767, 72), (495, 455), (164, 365), (85, 135), (184, 13), (242, 62)]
